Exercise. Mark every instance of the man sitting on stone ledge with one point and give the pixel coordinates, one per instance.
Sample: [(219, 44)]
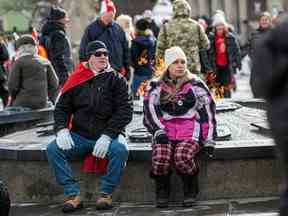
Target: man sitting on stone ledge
[(97, 99)]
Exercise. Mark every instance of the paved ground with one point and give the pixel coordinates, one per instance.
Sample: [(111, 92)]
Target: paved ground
[(243, 87), (250, 207)]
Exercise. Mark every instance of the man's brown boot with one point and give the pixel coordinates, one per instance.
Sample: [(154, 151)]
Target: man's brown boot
[(104, 202), (72, 204)]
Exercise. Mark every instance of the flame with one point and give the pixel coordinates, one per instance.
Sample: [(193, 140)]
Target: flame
[(143, 58), (142, 88), (219, 92), (159, 67), (216, 89), (142, 61)]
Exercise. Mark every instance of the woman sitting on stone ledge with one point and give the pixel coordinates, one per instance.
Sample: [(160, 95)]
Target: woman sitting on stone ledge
[(180, 113)]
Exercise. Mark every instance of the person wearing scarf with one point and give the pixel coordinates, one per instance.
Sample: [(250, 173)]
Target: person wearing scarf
[(90, 116), (179, 112)]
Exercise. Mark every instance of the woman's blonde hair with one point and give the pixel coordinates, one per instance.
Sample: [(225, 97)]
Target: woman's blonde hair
[(125, 21), (188, 75)]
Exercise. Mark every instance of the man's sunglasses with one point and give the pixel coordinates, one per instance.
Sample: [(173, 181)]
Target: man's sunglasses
[(100, 53)]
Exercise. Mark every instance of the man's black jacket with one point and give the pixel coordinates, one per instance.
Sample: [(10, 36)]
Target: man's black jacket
[(101, 105), (59, 49)]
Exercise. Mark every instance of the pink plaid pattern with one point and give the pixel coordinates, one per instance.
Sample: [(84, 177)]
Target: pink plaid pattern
[(184, 154), (161, 158)]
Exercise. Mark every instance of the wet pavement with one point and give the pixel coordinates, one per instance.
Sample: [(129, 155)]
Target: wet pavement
[(243, 87), (240, 207)]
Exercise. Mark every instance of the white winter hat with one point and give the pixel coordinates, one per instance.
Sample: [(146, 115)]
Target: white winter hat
[(219, 19), (172, 54)]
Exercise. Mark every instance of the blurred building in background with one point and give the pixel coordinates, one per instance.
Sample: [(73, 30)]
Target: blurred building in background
[(242, 14)]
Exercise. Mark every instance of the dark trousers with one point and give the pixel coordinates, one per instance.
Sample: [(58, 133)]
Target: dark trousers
[(224, 78), (279, 127)]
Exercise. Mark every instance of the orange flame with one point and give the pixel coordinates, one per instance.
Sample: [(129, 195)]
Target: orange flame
[(158, 71), (142, 88), (159, 67), (219, 92), (142, 61)]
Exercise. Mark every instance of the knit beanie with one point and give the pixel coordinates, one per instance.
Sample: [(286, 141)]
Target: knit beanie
[(108, 6), (57, 13), (94, 46), (25, 39), (219, 19), (142, 25), (172, 54), (265, 14)]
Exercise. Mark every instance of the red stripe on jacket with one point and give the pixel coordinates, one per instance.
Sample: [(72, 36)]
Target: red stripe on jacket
[(81, 75)]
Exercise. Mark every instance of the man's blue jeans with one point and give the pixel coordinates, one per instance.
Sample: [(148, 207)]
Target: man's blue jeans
[(117, 156)]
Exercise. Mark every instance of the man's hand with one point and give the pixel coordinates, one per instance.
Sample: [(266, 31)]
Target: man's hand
[(101, 146), (64, 140)]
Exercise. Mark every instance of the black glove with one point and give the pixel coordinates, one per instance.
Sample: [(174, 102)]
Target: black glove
[(160, 137), (209, 152)]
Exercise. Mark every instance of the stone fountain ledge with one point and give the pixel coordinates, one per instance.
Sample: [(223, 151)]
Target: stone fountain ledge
[(244, 166)]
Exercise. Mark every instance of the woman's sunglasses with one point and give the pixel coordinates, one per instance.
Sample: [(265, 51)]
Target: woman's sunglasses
[(100, 53)]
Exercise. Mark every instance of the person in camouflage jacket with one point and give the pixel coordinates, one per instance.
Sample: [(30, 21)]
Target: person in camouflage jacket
[(184, 32)]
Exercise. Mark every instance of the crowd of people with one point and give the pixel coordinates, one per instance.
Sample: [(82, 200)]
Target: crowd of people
[(136, 48), (186, 61)]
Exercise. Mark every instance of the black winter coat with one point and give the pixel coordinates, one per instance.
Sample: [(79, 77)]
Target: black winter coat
[(269, 79), (101, 105), (4, 56), (155, 28), (59, 49), (143, 54), (115, 39), (233, 51), (269, 76), (254, 37)]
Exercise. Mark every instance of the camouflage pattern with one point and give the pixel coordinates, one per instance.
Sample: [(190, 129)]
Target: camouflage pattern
[(185, 32)]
